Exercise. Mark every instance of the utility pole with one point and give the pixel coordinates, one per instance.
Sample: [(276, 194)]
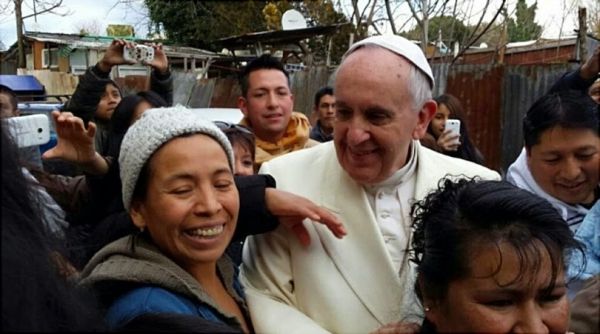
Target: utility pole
[(581, 34), (20, 43), (503, 37)]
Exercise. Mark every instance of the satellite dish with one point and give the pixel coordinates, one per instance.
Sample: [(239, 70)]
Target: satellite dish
[(292, 19)]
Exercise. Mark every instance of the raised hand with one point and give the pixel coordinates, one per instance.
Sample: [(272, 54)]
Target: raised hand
[(76, 143), (293, 209), (114, 55), (591, 68), (160, 61), (448, 141)]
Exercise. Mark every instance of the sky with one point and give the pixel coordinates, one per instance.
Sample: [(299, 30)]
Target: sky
[(101, 12)]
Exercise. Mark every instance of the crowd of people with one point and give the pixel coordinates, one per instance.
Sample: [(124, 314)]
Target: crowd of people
[(367, 216)]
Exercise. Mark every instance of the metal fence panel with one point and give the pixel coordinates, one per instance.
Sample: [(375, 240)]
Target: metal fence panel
[(495, 99), (523, 85)]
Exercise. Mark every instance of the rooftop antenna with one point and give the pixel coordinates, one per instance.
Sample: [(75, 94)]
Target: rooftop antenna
[(292, 19)]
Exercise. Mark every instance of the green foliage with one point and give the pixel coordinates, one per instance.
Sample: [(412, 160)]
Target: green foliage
[(199, 23), (524, 27), (452, 30)]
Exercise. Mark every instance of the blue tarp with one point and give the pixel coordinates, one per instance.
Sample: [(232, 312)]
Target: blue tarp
[(21, 84)]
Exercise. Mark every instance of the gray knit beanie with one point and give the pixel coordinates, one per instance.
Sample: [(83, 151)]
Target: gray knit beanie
[(151, 131)]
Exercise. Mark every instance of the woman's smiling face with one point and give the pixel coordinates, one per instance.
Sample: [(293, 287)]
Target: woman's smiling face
[(190, 211)]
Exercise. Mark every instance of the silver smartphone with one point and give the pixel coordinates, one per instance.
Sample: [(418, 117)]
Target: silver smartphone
[(453, 125), (29, 130)]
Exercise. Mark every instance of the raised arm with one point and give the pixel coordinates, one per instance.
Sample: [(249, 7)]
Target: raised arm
[(161, 81), (582, 78), (91, 87)]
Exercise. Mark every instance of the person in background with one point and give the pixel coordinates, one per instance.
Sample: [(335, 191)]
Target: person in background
[(30, 156), (30, 159), (442, 140), (368, 175), (243, 142), (562, 153), (324, 109), (36, 296), (267, 104), (97, 95), (491, 258)]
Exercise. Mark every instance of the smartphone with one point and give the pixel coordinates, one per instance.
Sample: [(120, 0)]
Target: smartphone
[(138, 53), (29, 130), (453, 125)]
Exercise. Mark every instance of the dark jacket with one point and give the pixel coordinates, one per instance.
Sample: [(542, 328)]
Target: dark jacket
[(89, 91), (316, 133)]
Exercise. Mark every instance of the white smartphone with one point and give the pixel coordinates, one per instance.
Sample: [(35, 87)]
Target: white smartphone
[(453, 125), (29, 130)]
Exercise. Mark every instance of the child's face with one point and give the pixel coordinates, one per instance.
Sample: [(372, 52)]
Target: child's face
[(244, 162)]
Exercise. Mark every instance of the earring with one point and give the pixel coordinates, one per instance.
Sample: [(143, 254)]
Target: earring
[(142, 229), (427, 309)]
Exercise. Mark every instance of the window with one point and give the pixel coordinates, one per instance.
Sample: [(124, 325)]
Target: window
[(50, 58)]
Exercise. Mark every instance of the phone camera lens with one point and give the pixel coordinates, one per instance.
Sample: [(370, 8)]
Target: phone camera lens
[(40, 130)]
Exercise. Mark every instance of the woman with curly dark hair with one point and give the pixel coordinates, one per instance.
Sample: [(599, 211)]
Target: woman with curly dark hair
[(491, 258)]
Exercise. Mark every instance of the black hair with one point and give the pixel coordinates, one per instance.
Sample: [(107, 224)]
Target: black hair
[(173, 322), (121, 118), (450, 220), (237, 133), (467, 149), (322, 92), (264, 62), (12, 97), (571, 109), (35, 297)]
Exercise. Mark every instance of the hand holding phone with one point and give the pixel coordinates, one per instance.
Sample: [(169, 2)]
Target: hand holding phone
[(450, 138), (453, 125), (29, 130)]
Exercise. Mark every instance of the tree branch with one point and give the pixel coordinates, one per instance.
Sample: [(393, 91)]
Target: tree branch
[(461, 52), (414, 13), (47, 10), (388, 9)]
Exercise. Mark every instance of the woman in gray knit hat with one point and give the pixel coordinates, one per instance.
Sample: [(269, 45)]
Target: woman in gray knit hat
[(186, 216)]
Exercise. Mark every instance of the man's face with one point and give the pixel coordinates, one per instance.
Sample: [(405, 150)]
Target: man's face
[(376, 121), (108, 102), (567, 169), (268, 104), (326, 110)]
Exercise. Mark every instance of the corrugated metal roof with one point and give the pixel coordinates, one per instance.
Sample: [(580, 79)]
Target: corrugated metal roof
[(75, 41)]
